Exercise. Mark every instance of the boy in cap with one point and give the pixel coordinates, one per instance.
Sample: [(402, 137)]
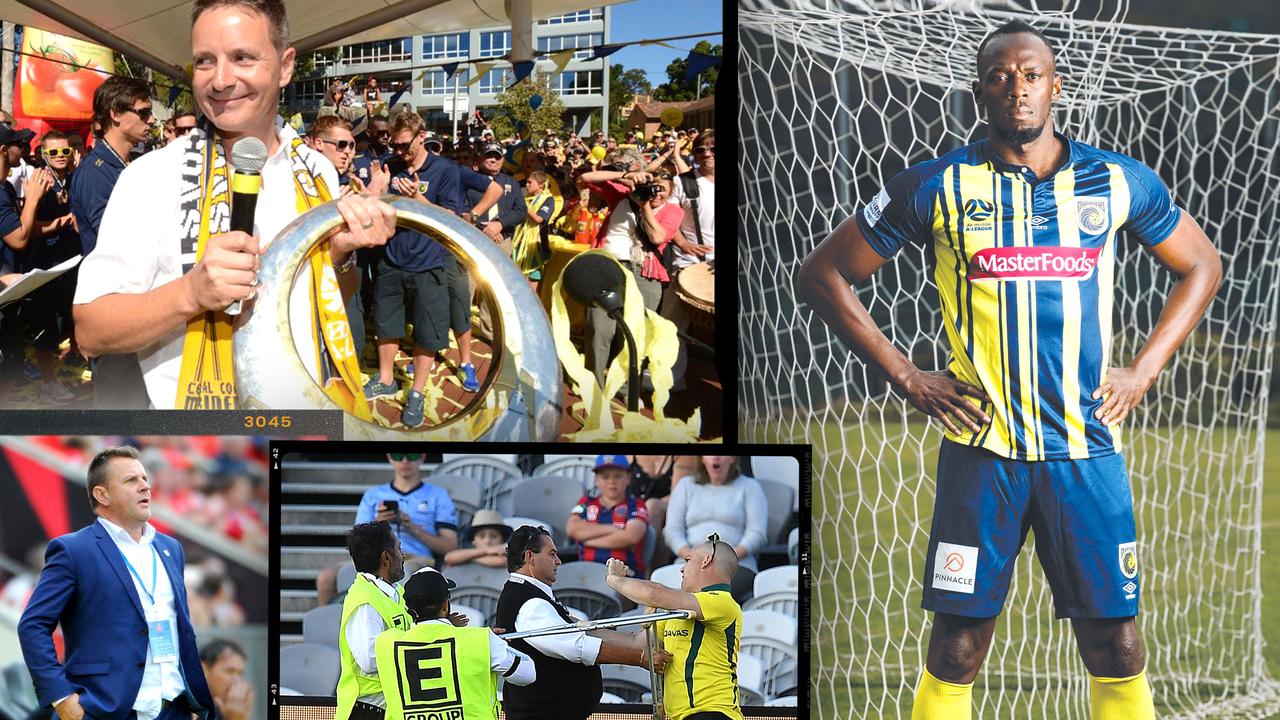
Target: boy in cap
[(612, 524), (436, 669)]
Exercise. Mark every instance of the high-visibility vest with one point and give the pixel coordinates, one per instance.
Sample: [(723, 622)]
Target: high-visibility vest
[(353, 683), (435, 671)]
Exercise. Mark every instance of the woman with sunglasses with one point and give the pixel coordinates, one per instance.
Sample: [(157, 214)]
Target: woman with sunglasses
[(57, 240)]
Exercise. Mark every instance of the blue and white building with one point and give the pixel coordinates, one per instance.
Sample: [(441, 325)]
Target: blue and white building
[(583, 86)]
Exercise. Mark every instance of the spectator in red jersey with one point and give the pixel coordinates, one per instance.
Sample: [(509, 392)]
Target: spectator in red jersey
[(612, 524)]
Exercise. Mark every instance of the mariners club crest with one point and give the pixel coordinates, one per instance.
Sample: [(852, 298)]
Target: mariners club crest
[(1092, 214)]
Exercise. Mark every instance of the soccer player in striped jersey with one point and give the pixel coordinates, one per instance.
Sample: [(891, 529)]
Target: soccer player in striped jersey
[(1023, 226)]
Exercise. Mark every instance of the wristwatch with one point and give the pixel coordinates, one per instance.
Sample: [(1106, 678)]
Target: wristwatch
[(348, 265)]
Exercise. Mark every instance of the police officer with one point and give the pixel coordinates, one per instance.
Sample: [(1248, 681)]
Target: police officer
[(372, 605), (122, 117), (440, 668)]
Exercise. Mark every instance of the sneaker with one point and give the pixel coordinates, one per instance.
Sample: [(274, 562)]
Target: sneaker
[(30, 371), (374, 389), (469, 382), (412, 415), (56, 392)]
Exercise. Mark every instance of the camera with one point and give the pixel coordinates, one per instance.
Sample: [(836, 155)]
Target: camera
[(647, 191)]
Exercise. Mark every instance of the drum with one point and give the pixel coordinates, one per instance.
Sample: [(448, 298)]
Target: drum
[(696, 286)]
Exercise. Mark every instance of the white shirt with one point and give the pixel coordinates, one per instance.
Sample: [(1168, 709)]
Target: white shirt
[(160, 681), (537, 614), (621, 231), (362, 630), (706, 216), (19, 175), (138, 250), (502, 657)]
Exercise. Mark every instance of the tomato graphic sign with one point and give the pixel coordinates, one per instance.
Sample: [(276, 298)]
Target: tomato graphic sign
[(58, 74)]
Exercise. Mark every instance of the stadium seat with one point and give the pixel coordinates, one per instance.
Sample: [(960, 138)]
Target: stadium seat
[(494, 473), (611, 699), (289, 691), (320, 625), (668, 575), (310, 669), (475, 618), (793, 546), (583, 585), (785, 701), (784, 470), (578, 467), (475, 574), (780, 498), (346, 576), (650, 543), (466, 492), (548, 498), (515, 521), (626, 681), (750, 680), (770, 636), (777, 588), (482, 599)]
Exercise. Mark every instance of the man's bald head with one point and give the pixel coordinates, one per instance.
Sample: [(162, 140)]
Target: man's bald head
[(710, 563)]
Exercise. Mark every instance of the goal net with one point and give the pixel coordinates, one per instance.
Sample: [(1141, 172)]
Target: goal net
[(839, 97)]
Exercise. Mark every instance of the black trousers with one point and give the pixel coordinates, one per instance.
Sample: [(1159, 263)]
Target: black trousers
[(365, 711), (708, 716)]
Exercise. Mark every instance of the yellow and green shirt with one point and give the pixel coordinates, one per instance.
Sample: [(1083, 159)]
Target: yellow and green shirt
[(703, 673)]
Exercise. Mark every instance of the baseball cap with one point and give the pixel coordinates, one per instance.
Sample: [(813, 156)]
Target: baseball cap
[(427, 587), (608, 461), (491, 149), (433, 139)]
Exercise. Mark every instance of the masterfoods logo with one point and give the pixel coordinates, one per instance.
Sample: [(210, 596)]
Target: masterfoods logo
[(1033, 263)]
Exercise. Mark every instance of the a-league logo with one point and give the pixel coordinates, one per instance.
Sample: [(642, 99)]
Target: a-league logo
[(1129, 559)]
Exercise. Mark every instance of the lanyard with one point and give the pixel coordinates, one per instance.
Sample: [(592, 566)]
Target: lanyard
[(151, 594)]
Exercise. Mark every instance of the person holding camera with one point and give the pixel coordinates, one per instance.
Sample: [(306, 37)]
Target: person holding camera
[(637, 230)]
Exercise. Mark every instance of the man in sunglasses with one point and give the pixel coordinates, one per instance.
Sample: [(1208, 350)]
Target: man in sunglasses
[(377, 152), (181, 123), (331, 136), (695, 192), (421, 514), (700, 682), (122, 118)]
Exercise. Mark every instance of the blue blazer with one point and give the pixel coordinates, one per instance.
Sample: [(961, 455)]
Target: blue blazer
[(87, 587)]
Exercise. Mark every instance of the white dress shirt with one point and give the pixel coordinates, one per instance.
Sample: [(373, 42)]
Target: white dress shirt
[(362, 630), (502, 656), (537, 614), (160, 681)]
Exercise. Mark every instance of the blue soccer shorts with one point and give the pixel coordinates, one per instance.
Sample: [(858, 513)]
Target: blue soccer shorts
[(1082, 515)]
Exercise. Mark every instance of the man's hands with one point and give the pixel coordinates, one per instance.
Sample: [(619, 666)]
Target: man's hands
[(458, 619), (661, 659), (226, 273), (38, 185), (379, 178), (70, 709), (941, 396), (690, 248), (616, 568), (1123, 389), (237, 704), (370, 223), (407, 187)]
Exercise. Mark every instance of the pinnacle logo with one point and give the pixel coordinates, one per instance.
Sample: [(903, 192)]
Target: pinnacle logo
[(954, 567), (978, 210), (1033, 263)]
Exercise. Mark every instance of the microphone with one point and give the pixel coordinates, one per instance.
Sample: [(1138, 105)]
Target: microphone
[(248, 156), (593, 279)]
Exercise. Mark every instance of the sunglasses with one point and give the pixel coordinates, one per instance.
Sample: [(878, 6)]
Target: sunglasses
[(58, 152), (400, 146), (405, 456), (143, 114), (342, 145), (180, 130), (714, 539), (704, 150)]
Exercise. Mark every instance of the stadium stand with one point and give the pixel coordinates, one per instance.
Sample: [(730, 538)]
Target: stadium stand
[(549, 498), (583, 585), (770, 636), (320, 625), (626, 681), (310, 669), (777, 588)]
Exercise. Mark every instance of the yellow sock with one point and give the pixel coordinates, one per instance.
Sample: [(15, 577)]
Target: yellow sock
[(940, 700), (1121, 698)]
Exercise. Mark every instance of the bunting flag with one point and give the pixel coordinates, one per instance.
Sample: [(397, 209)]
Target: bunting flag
[(395, 97), (561, 60), (699, 63), (603, 51), (659, 42), (449, 69), (522, 70), (174, 92), (482, 69)]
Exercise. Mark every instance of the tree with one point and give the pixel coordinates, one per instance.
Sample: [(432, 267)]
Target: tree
[(624, 86), (677, 89), (513, 109)]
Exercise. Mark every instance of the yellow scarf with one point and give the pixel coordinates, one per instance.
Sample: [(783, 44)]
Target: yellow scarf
[(526, 242), (206, 380)]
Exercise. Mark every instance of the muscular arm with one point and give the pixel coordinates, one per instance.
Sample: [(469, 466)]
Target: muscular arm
[(651, 594), (845, 258), (1189, 254)]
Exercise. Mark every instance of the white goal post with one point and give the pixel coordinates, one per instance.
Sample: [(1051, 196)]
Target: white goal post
[(837, 98)]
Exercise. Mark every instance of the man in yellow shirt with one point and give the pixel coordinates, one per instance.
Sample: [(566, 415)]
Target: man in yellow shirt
[(702, 677)]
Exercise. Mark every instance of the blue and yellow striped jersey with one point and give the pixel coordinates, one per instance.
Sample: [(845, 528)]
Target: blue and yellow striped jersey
[(1025, 273)]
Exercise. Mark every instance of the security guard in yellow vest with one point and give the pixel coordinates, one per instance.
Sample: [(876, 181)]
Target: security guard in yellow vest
[(436, 671), (373, 605)]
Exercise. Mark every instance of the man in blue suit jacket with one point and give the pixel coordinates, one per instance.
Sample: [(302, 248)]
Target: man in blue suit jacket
[(116, 587)]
